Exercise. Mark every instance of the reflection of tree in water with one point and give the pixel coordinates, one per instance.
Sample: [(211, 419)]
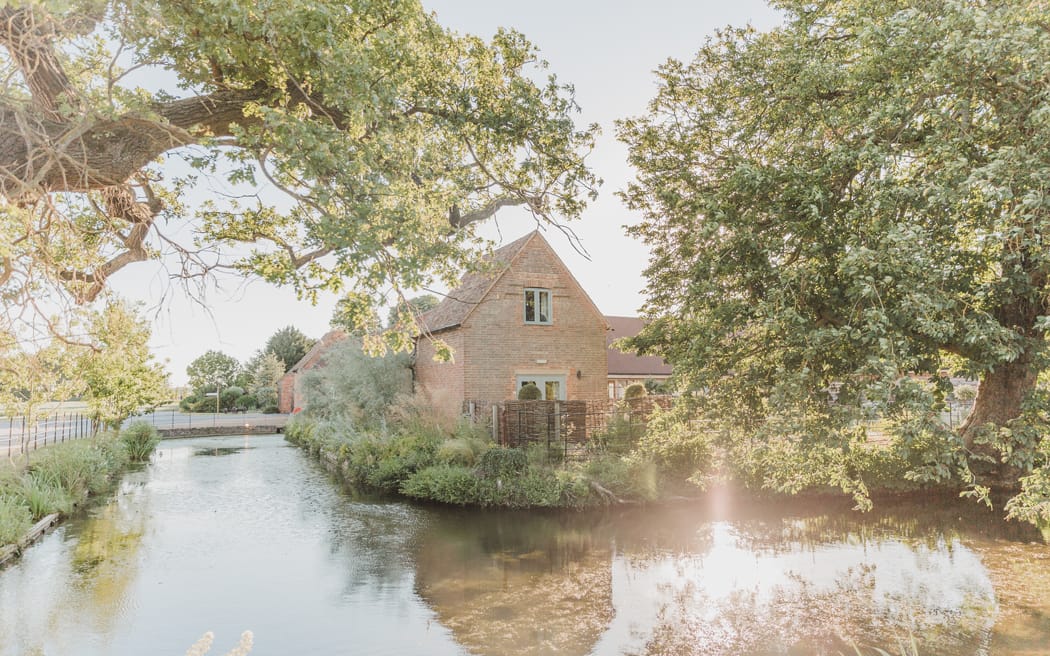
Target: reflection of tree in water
[(105, 559), (518, 583), (799, 618)]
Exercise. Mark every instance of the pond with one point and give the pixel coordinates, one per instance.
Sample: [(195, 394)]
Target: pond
[(228, 534)]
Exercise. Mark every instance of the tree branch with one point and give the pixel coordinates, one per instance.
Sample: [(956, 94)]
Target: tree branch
[(27, 34)]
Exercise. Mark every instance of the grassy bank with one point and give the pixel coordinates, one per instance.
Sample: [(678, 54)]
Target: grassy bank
[(459, 466), (58, 479)]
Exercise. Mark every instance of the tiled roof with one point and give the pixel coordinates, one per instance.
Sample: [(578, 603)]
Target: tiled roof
[(455, 307), (629, 364), (317, 350)]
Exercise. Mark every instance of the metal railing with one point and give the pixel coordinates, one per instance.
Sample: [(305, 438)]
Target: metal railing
[(21, 434)]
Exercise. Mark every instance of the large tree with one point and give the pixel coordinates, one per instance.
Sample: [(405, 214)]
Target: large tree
[(118, 371), (378, 139), (212, 372), (289, 344), (847, 202)]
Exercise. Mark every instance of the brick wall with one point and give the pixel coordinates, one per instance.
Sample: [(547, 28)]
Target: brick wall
[(502, 346), (442, 382)]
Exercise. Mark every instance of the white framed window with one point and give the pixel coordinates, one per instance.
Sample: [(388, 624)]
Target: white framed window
[(538, 309), (552, 388)]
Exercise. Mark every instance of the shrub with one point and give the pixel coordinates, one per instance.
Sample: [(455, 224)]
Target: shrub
[(446, 483), (529, 392), (500, 462), (189, 403), (271, 410), (246, 402), (229, 396), (626, 479), (675, 444), (15, 520), (460, 451), (140, 439), (635, 391)]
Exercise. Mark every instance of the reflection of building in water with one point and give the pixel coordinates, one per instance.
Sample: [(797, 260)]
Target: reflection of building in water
[(545, 593)]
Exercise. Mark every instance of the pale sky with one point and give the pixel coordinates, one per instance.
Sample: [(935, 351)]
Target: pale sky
[(608, 51)]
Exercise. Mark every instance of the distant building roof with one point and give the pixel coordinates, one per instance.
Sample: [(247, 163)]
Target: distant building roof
[(454, 308), (317, 350), (629, 364)]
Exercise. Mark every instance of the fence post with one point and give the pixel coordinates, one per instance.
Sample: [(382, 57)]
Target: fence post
[(495, 423)]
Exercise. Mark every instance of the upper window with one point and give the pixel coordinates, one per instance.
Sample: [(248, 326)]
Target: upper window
[(537, 305)]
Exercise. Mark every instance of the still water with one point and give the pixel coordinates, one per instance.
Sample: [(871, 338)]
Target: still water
[(228, 534)]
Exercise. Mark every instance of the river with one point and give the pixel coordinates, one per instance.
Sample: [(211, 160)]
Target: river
[(229, 534)]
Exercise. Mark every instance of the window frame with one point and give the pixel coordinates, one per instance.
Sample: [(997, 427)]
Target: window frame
[(538, 291)]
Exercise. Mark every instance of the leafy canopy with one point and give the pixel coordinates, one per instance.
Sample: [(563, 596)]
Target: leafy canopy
[(846, 201), (289, 345), (211, 370), (360, 143)]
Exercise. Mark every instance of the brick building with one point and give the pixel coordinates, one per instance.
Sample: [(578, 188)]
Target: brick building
[(529, 321), (628, 368)]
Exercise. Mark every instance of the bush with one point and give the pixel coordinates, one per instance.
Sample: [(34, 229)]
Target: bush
[(271, 410), (634, 480), (246, 402), (453, 484), (140, 439), (460, 451), (529, 392), (635, 391), (229, 396), (189, 403), (500, 462), (15, 520)]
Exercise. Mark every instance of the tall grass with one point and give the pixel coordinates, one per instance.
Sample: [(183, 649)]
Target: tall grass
[(56, 479)]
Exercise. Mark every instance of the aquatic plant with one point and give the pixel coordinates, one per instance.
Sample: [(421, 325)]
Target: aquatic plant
[(15, 519), (140, 439)]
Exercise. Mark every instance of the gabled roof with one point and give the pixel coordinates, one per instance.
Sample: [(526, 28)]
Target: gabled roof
[(317, 350), (629, 364), (454, 308)]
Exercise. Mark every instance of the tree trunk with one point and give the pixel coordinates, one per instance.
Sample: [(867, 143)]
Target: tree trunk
[(999, 398)]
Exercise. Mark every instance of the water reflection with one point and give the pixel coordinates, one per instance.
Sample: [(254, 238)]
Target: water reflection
[(263, 539), (751, 578)]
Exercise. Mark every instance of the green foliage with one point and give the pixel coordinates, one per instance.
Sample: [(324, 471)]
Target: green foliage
[(189, 403), (462, 451), (266, 370), (382, 138), (501, 462), (119, 374), (288, 345), (246, 402), (44, 496), (677, 444), (635, 391), (845, 201), (229, 396), (626, 478), (405, 313), (445, 483), (529, 392), (15, 520), (56, 480), (270, 410), (211, 370), (140, 439), (354, 386)]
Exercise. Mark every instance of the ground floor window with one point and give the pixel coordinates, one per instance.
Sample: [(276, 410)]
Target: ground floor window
[(551, 387)]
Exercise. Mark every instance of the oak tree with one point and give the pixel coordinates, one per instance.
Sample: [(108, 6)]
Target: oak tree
[(847, 208), (357, 143)]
